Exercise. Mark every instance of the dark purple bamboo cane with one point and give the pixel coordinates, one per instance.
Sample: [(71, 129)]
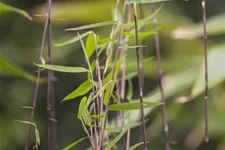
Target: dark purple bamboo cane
[(37, 84), (160, 73), (206, 74), (49, 83), (140, 81)]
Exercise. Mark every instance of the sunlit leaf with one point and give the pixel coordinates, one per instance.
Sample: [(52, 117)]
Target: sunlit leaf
[(73, 40), (215, 26), (135, 146), (81, 90), (8, 68), (133, 105), (145, 1), (83, 112), (115, 98), (64, 68), (89, 26), (37, 136), (74, 143), (97, 116), (140, 34), (81, 107), (91, 44), (106, 40), (6, 8)]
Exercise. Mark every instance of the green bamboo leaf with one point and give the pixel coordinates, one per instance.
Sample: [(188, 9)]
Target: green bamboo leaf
[(73, 40), (97, 116), (81, 90), (63, 68), (94, 25), (105, 41), (74, 143), (8, 68), (141, 22), (135, 146), (35, 128), (83, 112), (27, 122), (81, 107), (140, 34), (37, 136), (91, 44), (6, 8), (118, 137), (145, 1), (115, 98), (86, 116), (133, 105)]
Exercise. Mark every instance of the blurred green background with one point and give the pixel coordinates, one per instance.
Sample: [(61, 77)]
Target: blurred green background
[(182, 58)]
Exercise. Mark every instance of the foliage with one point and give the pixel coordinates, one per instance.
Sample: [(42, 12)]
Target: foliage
[(183, 81)]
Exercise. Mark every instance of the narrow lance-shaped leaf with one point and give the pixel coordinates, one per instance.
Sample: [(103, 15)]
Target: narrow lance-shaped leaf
[(6, 8), (133, 105), (35, 128), (74, 143), (94, 25), (73, 40), (83, 112), (97, 116), (8, 68), (135, 146), (91, 44), (63, 68), (81, 90), (140, 34), (141, 22), (81, 107)]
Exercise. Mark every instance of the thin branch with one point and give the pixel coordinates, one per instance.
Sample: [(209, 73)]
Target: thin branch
[(160, 73), (206, 74), (112, 34), (37, 84), (140, 81), (49, 83)]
